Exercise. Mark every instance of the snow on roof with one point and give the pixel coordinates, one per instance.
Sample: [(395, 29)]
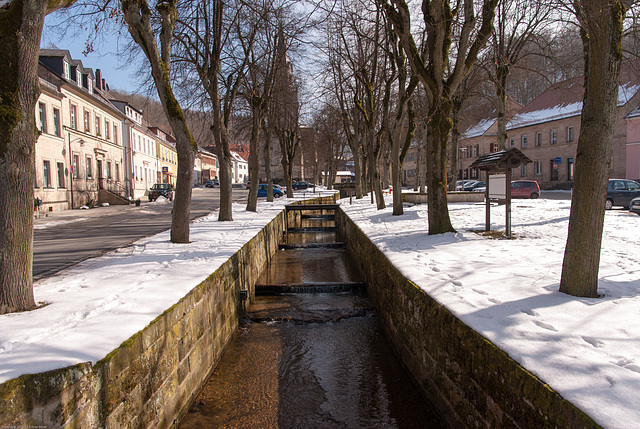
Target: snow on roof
[(479, 129), (564, 99)]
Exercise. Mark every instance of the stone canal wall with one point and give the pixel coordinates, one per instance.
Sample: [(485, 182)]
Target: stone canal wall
[(471, 381), (150, 380)]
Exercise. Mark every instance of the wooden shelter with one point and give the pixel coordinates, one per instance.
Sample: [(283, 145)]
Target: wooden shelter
[(500, 162)]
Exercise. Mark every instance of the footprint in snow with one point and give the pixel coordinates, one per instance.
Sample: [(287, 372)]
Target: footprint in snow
[(456, 282), (610, 380), (495, 301), (593, 341), (530, 312), (545, 326), (481, 292), (435, 269)]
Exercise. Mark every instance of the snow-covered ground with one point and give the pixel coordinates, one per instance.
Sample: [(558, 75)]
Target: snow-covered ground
[(586, 349)]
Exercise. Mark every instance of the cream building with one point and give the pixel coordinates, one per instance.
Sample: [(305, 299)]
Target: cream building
[(79, 155), (167, 156), (142, 165)]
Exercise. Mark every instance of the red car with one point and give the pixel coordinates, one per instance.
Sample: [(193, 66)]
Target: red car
[(525, 189)]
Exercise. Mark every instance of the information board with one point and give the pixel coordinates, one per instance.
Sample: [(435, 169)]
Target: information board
[(497, 186)]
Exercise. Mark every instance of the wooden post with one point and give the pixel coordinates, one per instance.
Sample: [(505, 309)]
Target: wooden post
[(487, 226), (508, 196)]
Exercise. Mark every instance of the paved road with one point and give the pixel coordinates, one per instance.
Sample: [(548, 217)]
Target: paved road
[(68, 237)]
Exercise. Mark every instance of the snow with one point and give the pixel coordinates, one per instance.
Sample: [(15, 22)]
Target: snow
[(566, 110), (586, 349), (479, 129), (544, 115)]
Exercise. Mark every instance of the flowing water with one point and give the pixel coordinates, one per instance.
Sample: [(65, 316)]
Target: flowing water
[(310, 360)]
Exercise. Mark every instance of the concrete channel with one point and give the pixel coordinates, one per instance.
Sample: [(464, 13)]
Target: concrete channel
[(310, 351)]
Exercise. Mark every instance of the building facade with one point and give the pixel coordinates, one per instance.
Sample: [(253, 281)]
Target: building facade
[(547, 132), (79, 152)]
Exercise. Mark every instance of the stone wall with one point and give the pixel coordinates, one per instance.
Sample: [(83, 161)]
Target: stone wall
[(150, 380), (471, 381)]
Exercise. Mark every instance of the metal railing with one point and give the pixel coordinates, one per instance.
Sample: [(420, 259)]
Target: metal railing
[(114, 187)]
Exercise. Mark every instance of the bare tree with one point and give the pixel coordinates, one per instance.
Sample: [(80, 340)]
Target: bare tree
[(601, 28), (517, 25), (138, 17), (20, 32), (210, 43), (440, 79)]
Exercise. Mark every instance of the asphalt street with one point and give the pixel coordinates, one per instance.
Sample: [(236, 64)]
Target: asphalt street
[(65, 238)]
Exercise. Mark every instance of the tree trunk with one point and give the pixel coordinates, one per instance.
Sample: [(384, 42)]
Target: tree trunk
[(254, 159), (601, 30), (502, 73), (20, 30), (138, 18), (396, 183), (376, 185), (454, 149), (439, 129), (266, 158)]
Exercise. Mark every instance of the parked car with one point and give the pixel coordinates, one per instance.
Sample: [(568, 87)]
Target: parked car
[(460, 184), (476, 186), (299, 186), (247, 185), (262, 190), (620, 192), (525, 189), (161, 190), (212, 183), (634, 205)]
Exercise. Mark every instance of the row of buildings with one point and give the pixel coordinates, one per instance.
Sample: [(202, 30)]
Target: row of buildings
[(95, 149), (547, 130)]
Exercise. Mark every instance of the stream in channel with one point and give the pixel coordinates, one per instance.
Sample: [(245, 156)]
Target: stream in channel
[(310, 352)]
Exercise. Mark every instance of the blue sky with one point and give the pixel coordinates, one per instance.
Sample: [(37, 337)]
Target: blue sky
[(115, 71)]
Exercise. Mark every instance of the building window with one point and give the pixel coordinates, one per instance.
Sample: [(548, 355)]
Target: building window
[(76, 170), (117, 173), (87, 121), (74, 116), (66, 70), (89, 169), (538, 139), (98, 121), (510, 142), (46, 169), (569, 134), (537, 168), (115, 133), (79, 78), (524, 142), (554, 136), (523, 170), (107, 130), (60, 170), (43, 117), (56, 122), (108, 169)]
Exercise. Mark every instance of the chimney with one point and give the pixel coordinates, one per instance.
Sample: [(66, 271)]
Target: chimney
[(105, 87), (98, 78)]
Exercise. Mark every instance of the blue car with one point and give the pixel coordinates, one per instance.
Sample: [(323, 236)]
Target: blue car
[(262, 191)]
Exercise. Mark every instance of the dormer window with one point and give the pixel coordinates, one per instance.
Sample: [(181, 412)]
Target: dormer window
[(78, 78), (66, 70)]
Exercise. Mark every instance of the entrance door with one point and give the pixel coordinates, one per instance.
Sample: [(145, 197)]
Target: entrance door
[(100, 174)]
